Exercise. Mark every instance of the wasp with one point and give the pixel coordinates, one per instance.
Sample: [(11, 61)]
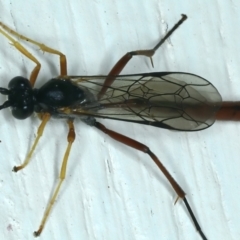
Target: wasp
[(171, 100)]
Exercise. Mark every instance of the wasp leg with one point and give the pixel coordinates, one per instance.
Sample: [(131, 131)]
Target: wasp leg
[(141, 147), (45, 118), (44, 48), (122, 62), (25, 52), (70, 138)]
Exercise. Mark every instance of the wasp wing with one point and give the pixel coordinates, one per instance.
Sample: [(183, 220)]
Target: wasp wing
[(172, 100)]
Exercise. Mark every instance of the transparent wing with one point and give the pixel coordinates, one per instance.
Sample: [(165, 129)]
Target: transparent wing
[(174, 100)]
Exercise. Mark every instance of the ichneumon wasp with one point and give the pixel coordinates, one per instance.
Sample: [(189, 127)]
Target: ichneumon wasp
[(172, 100)]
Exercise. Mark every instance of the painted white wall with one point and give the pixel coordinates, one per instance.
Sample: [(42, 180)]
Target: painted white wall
[(111, 191)]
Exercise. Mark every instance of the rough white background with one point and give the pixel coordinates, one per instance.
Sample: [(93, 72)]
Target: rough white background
[(112, 191)]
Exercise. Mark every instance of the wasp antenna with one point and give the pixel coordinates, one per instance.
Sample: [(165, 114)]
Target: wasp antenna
[(5, 105), (4, 91)]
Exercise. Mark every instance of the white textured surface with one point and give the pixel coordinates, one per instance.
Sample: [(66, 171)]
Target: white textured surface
[(111, 191)]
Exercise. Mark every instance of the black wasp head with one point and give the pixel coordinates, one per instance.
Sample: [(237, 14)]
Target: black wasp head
[(20, 97)]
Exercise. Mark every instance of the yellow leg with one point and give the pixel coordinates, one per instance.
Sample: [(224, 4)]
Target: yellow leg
[(26, 53), (44, 48), (45, 119), (62, 175)]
